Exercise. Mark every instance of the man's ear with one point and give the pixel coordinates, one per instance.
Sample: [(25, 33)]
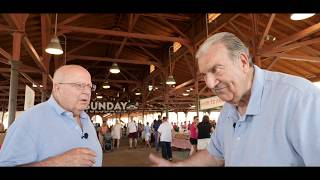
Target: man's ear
[(244, 62)]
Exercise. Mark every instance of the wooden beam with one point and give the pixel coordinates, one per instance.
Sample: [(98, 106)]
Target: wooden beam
[(186, 83), (266, 31), (151, 55), (130, 74), (295, 57), (6, 28), (125, 34), (220, 22), (116, 81), (299, 35), (84, 45), (5, 54), (168, 16), (30, 79), (273, 62), (132, 21), (295, 45), (99, 40), (191, 70), (4, 61), (107, 59), (45, 36), (33, 53), (17, 21), (16, 49), (173, 27), (235, 28), (71, 19)]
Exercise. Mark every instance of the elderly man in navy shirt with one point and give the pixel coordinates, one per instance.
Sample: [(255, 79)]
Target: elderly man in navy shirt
[(57, 132), (269, 118)]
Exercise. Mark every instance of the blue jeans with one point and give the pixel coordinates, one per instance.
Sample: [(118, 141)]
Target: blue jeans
[(156, 140), (166, 150)]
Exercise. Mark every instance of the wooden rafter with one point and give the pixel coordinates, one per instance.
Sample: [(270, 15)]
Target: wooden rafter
[(273, 62), (108, 59), (191, 70), (295, 37), (295, 45), (71, 19), (132, 21), (173, 27), (106, 41), (168, 16), (125, 34), (5, 54), (266, 31), (33, 53), (295, 57)]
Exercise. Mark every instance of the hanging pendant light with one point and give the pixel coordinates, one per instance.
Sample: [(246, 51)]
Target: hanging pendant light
[(54, 47), (114, 68), (105, 85), (170, 80)]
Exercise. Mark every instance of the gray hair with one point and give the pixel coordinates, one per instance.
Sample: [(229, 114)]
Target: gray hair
[(233, 44)]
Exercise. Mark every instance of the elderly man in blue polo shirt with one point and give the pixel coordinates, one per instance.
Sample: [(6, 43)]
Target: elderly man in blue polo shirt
[(57, 132), (269, 118)]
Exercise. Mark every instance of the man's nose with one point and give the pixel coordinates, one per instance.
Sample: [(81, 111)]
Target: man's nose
[(211, 81)]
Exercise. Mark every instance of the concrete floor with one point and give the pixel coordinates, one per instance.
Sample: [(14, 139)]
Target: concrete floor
[(135, 157)]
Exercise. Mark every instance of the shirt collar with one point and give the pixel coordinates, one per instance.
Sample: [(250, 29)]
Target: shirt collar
[(62, 111), (254, 106)]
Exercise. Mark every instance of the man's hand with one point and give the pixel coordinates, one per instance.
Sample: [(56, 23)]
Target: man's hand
[(158, 161), (77, 157), (73, 157)]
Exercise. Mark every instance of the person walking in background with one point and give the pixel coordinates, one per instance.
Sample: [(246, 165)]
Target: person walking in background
[(156, 125), (147, 135), (204, 132), (133, 133), (194, 135), (103, 129), (116, 134), (165, 133)]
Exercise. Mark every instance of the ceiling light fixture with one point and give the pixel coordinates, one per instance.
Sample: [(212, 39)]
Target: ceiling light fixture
[(170, 80), (114, 69), (300, 16), (185, 94), (54, 47), (150, 87), (105, 85)]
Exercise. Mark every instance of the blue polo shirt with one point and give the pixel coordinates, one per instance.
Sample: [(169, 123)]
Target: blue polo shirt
[(47, 130), (281, 126)]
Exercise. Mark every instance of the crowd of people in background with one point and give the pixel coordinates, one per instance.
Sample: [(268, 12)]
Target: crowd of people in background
[(158, 134)]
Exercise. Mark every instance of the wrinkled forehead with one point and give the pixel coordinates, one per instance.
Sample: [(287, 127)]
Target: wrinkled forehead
[(77, 75)]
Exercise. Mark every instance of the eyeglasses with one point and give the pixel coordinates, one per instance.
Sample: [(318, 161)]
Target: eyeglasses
[(82, 86)]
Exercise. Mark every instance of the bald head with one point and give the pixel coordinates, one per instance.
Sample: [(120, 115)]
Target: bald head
[(62, 73), (72, 88)]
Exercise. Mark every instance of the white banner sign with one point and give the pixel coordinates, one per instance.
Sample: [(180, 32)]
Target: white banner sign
[(210, 103), (29, 98)]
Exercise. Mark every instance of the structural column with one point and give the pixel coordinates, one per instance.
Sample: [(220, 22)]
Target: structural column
[(14, 78)]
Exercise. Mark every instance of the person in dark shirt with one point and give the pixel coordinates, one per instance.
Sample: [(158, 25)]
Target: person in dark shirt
[(204, 132), (156, 125)]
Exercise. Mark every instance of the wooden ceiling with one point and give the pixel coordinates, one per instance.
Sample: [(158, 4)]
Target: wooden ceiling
[(135, 41)]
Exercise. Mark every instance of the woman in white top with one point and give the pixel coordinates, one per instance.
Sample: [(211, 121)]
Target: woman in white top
[(116, 134)]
